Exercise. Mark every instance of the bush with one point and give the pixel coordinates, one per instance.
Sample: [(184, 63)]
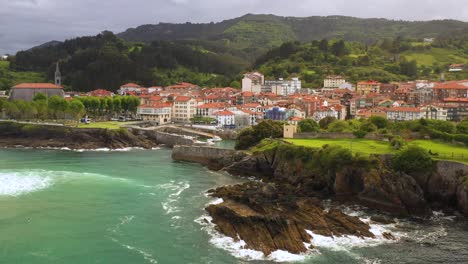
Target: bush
[(249, 137), (325, 122), (360, 133), (412, 159), (397, 142), (338, 126), (308, 125), (378, 121)]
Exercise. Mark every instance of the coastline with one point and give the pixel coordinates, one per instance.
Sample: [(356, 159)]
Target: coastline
[(13, 135), (285, 209)]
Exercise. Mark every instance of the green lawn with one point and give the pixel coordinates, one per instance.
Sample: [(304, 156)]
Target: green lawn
[(365, 146), (108, 125)]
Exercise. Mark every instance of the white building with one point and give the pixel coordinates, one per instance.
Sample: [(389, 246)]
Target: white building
[(225, 118), (4, 57), (333, 81), (252, 82), (160, 113), (405, 113), (283, 87), (184, 109), (129, 87), (435, 113)]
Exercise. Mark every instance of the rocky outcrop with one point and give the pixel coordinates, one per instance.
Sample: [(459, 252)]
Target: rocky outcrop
[(46, 136), (268, 217), (213, 158), (274, 213)]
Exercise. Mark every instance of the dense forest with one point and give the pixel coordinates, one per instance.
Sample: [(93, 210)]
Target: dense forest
[(216, 54), (105, 61)]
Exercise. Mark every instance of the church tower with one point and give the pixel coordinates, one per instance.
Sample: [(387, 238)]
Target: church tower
[(58, 76)]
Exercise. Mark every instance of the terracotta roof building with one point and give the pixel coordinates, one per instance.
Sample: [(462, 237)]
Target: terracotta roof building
[(27, 91)]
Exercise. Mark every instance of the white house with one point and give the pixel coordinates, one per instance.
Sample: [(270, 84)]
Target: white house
[(225, 118), (160, 113), (404, 113)]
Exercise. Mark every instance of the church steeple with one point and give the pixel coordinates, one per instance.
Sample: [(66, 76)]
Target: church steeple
[(58, 75)]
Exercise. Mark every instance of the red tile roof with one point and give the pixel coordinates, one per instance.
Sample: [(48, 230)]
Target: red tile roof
[(405, 109), (453, 85), (224, 113), (132, 85), (212, 105), (37, 86), (183, 98)]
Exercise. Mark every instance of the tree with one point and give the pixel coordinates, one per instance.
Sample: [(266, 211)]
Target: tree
[(323, 45), (338, 126), (39, 97), (339, 48), (76, 109), (308, 125), (412, 159), (249, 137), (235, 84), (57, 106), (462, 128), (325, 122), (380, 122)]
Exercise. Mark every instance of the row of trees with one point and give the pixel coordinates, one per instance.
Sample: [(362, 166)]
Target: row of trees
[(55, 107)]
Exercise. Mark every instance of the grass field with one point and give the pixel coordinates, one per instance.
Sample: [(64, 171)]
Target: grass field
[(108, 125), (439, 55), (365, 146)]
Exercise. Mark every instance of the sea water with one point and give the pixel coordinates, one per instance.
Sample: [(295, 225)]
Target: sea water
[(138, 206)]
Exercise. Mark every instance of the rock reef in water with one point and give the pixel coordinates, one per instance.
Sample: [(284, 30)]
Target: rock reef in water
[(268, 218)]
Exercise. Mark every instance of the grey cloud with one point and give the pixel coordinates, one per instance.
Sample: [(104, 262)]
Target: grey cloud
[(26, 23)]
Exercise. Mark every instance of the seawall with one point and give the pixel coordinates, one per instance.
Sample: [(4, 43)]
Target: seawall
[(213, 158)]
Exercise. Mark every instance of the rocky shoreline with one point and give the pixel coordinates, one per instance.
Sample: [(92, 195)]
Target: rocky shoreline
[(43, 136), (276, 211)]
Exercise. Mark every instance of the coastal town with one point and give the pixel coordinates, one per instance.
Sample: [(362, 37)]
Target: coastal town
[(279, 100)]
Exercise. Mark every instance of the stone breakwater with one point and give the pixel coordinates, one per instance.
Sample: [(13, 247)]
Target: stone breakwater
[(211, 157), (273, 214)]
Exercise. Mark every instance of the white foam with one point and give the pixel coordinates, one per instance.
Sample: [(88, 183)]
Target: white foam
[(18, 183), (147, 256), (170, 205)]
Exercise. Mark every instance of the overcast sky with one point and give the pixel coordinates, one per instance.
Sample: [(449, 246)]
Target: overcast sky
[(26, 23)]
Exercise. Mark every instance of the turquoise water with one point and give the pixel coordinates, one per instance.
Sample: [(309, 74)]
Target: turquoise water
[(141, 207)]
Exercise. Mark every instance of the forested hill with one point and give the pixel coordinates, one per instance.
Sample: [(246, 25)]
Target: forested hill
[(385, 61), (105, 61), (252, 35)]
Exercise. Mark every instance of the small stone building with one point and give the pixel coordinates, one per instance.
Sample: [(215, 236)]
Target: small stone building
[(27, 91)]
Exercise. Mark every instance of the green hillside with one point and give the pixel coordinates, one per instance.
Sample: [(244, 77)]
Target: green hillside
[(384, 61), (9, 78), (251, 35)]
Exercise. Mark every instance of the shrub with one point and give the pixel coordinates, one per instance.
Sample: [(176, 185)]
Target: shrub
[(378, 121), (308, 125), (249, 137), (338, 126), (412, 159), (325, 122), (360, 133), (397, 142)]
